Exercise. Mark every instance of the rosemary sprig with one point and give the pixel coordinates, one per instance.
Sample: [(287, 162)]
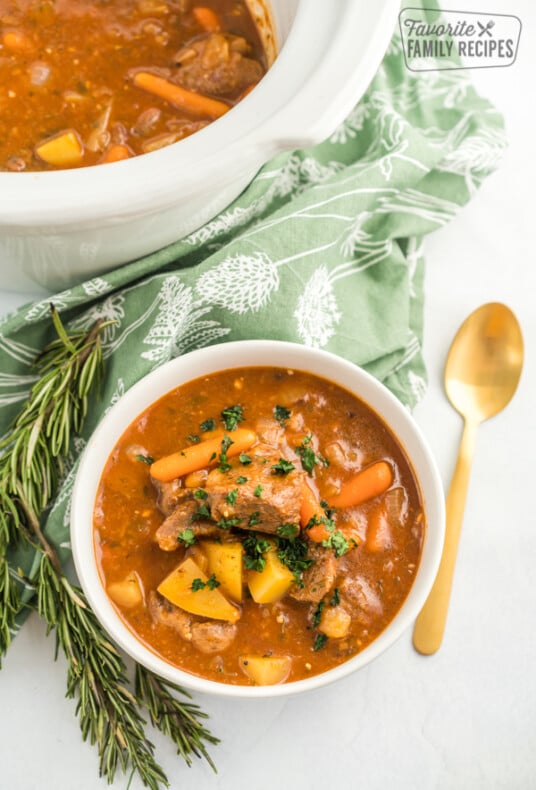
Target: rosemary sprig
[(31, 466), (176, 719), (109, 714)]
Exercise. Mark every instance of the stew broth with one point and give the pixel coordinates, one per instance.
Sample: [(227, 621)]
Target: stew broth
[(346, 585)]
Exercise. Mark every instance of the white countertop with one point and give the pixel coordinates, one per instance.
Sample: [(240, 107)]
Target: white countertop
[(464, 718)]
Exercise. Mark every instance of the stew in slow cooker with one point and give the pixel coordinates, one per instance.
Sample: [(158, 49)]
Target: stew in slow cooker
[(258, 526), (84, 82)]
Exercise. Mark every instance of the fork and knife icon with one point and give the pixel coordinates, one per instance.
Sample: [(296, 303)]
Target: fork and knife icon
[(486, 28)]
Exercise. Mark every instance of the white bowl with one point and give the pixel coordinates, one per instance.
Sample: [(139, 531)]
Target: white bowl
[(58, 228), (250, 353)]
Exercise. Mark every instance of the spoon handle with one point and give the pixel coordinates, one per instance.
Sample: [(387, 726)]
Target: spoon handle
[(430, 623)]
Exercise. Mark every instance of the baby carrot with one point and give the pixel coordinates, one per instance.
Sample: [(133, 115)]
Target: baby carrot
[(115, 153), (318, 533), (198, 456), (195, 103), (367, 483), (311, 508), (207, 18), (16, 41)]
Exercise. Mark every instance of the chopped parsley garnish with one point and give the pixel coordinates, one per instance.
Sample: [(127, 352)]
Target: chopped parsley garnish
[(241, 479), (208, 425), (244, 458), (335, 598), (320, 641), (223, 463), (336, 540), (231, 416), (255, 548), (145, 459), (200, 493), (254, 519), (281, 413), (257, 491), (338, 543), (309, 459), (317, 614), (227, 523), (293, 553), (226, 442), (194, 438), (200, 514), (329, 525), (282, 467), (211, 583), (230, 498), (329, 511), (288, 531), (187, 537)]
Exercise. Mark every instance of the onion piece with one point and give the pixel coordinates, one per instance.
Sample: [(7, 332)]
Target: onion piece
[(395, 503), (16, 164), (99, 137), (147, 120), (73, 97), (39, 72), (160, 141)]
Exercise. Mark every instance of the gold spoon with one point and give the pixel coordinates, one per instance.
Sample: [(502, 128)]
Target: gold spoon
[(481, 375)]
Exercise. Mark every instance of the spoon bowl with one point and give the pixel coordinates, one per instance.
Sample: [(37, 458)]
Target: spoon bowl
[(484, 362), (482, 373)]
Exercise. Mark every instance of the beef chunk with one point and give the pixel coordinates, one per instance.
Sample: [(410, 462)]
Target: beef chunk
[(263, 502), (168, 495), (319, 577), (269, 431), (212, 636), (360, 599), (162, 611), (182, 517), (217, 64), (209, 636)]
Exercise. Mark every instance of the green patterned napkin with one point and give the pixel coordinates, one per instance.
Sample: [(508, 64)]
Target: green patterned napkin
[(323, 248)]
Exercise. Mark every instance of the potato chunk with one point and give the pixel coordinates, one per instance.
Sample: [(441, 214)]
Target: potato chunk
[(225, 561), (126, 593), (266, 670), (63, 150), (179, 588), (273, 582), (197, 554), (334, 622)]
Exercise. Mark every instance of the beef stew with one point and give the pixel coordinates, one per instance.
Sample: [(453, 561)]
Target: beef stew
[(258, 526)]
